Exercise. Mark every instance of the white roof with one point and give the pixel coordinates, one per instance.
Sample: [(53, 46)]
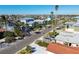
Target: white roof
[(76, 24), (70, 37), (26, 18), (70, 23), (38, 20), (48, 19), (73, 23), (76, 17)]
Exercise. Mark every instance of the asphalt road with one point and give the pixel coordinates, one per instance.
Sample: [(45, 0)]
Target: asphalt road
[(20, 44)]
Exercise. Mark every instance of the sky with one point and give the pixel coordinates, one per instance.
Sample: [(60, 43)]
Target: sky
[(38, 9)]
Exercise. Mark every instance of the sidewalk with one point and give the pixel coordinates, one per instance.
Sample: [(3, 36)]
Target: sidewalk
[(39, 49)]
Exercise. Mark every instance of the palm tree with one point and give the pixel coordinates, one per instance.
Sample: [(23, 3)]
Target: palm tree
[(54, 22), (56, 9), (52, 15)]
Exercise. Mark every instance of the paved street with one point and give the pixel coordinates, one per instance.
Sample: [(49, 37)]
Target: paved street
[(20, 44)]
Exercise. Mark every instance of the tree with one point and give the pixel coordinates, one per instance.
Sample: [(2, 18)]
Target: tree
[(56, 9), (36, 25), (29, 49), (5, 18), (17, 31), (53, 34), (10, 39), (9, 34), (52, 15), (45, 23), (54, 21)]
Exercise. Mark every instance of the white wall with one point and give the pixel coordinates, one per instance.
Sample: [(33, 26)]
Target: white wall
[(73, 45), (23, 21), (60, 42)]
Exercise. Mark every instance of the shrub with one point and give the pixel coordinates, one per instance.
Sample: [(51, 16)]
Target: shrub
[(27, 50), (42, 43), (10, 39), (54, 33), (1, 35), (9, 34), (23, 52)]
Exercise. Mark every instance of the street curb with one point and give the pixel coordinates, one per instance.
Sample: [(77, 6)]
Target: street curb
[(29, 44), (20, 50)]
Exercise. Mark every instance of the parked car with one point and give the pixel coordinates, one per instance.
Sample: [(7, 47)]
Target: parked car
[(58, 28), (38, 32), (19, 38), (49, 26)]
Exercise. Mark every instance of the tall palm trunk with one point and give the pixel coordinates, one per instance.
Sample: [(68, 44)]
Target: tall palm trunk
[(55, 20), (56, 9)]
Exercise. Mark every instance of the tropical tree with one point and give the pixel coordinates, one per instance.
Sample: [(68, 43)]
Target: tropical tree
[(54, 21), (9, 34), (52, 15), (4, 18), (36, 26), (18, 31), (10, 39), (56, 9)]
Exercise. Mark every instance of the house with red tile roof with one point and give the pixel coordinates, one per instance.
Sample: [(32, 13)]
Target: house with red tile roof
[(62, 49), (2, 30), (67, 42)]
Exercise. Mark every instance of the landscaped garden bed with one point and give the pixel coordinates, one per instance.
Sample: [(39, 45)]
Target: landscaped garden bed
[(27, 50), (41, 43)]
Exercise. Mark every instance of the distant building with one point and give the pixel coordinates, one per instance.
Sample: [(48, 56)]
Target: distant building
[(69, 24), (9, 28), (72, 25), (29, 21), (39, 21), (48, 19)]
